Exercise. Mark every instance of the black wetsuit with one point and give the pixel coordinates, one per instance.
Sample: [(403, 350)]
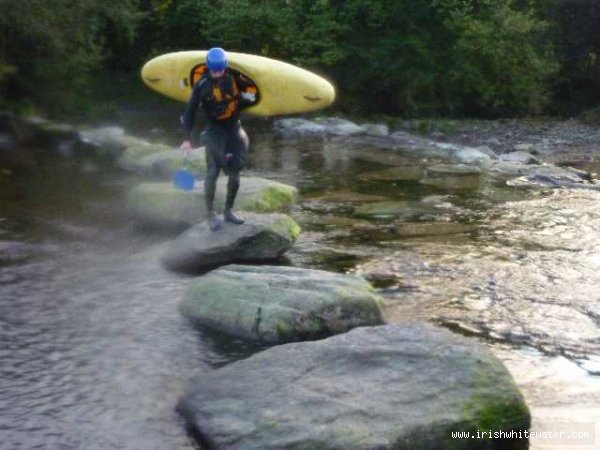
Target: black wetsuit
[(225, 140)]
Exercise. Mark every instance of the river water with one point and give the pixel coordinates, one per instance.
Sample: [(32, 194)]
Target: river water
[(95, 354)]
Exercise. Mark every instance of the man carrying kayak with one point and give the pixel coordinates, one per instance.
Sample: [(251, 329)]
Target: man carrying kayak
[(220, 94)]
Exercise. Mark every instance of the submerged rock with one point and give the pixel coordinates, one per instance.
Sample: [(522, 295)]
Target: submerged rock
[(161, 205), (281, 304), (399, 173), (263, 237), (388, 387), (452, 177), (408, 210), (416, 229)]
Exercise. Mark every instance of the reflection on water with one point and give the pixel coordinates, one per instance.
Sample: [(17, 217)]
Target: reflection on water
[(95, 354)]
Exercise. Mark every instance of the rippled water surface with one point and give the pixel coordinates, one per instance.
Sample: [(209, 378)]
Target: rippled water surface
[(95, 354)]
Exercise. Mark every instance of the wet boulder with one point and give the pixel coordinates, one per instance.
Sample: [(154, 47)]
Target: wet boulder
[(452, 177), (164, 164), (38, 131), (472, 155), (376, 129), (328, 125), (273, 305), (161, 205), (298, 127), (388, 387), (552, 176), (262, 238), (340, 127), (108, 142), (519, 157), (132, 157)]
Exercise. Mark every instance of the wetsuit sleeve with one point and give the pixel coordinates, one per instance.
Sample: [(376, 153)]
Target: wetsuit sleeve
[(187, 118)]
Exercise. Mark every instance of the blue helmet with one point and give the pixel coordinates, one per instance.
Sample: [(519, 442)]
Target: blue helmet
[(216, 59)]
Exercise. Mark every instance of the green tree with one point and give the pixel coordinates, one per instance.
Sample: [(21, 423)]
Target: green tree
[(52, 48), (502, 59)]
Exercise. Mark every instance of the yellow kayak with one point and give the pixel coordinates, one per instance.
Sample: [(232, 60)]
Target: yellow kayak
[(282, 88)]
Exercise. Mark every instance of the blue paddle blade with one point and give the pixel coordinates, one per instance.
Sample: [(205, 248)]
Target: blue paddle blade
[(184, 180)]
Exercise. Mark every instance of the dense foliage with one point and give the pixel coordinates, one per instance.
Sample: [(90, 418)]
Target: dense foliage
[(410, 57)]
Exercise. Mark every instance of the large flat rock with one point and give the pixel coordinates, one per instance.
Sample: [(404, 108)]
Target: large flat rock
[(273, 304), (161, 205), (388, 387), (263, 237)]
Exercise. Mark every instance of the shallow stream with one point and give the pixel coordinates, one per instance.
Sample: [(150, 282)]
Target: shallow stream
[(95, 354)]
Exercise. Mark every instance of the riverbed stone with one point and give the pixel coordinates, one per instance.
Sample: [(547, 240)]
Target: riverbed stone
[(263, 237), (161, 205), (109, 142), (340, 127), (551, 176), (389, 387), (412, 172), (40, 131), (295, 126), (520, 157), (165, 163), (273, 305), (132, 157), (472, 155), (452, 176), (438, 228), (376, 129), (406, 209)]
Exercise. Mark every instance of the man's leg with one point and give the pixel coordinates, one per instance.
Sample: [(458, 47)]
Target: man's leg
[(237, 148), (214, 150), (233, 185)]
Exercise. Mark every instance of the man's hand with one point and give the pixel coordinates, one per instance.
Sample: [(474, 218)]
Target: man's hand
[(251, 97), (186, 145)]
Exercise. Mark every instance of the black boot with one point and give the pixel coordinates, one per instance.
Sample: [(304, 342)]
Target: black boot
[(233, 184), (214, 223), (232, 218), (210, 184)]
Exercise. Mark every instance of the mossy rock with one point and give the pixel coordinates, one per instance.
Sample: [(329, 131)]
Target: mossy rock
[(394, 387), (165, 164), (262, 238), (132, 157), (161, 205), (281, 304)]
